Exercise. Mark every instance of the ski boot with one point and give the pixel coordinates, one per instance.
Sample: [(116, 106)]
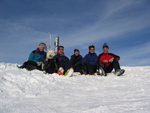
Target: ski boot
[(120, 72), (60, 71), (69, 72), (101, 72)]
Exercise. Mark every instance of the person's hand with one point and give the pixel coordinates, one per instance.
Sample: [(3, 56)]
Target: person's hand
[(41, 62), (110, 60), (47, 59), (105, 61)]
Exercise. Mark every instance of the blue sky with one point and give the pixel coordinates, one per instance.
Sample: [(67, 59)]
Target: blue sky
[(123, 24)]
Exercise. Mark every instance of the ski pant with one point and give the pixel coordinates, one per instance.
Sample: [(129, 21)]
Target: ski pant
[(64, 65), (114, 65), (78, 68), (88, 68), (30, 65)]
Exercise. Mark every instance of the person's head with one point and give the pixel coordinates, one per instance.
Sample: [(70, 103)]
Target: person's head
[(61, 50), (76, 52), (42, 46), (105, 48), (92, 49)]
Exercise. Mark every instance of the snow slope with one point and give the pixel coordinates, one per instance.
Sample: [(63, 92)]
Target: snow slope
[(23, 91)]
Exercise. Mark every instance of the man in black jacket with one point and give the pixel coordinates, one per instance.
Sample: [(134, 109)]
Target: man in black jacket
[(76, 61)]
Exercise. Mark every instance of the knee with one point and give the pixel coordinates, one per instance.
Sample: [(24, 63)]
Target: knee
[(86, 63), (115, 62)]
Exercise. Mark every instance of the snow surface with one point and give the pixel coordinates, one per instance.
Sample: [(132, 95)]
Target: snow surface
[(23, 91)]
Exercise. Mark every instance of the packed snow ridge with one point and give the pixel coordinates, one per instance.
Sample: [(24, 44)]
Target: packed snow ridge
[(23, 91)]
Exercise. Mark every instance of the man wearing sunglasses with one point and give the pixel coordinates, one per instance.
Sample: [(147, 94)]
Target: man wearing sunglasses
[(63, 63), (36, 58), (89, 62)]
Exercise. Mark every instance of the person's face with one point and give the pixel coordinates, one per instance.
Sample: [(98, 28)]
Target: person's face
[(105, 50), (76, 53), (61, 51), (41, 47), (92, 50)]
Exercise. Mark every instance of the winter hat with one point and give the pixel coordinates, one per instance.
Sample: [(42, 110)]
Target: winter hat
[(105, 45), (92, 46), (76, 50), (43, 44), (60, 47)]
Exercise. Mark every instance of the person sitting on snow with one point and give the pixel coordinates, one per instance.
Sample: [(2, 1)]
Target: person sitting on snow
[(89, 62), (36, 58), (76, 61), (63, 63), (108, 61)]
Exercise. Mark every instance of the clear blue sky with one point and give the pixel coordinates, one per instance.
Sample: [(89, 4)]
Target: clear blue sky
[(123, 24)]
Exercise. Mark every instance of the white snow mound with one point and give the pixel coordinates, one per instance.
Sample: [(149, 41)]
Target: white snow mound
[(23, 91)]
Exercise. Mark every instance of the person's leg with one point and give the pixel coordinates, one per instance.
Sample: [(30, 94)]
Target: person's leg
[(100, 65), (77, 69), (85, 68), (101, 69), (91, 69), (66, 67), (114, 65), (109, 68)]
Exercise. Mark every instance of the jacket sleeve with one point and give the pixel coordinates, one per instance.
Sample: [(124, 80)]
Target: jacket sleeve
[(99, 58), (96, 59), (84, 59), (116, 57), (68, 61), (79, 62), (71, 60), (31, 56)]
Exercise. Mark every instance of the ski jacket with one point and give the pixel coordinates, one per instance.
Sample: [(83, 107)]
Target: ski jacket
[(90, 58), (62, 61), (37, 56), (107, 56), (76, 60)]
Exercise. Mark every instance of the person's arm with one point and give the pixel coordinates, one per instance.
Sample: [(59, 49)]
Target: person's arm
[(84, 59), (71, 60), (102, 59), (44, 57), (79, 62), (115, 57), (96, 59), (68, 61), (31, 57)]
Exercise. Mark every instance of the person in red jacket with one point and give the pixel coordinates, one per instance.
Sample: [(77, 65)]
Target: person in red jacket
[(108, 61)]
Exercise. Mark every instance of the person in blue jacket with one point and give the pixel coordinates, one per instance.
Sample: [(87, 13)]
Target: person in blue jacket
[(89, 62), (36, 58), (62, 61)]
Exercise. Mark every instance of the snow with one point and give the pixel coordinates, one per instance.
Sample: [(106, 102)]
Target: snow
[(23, 91)]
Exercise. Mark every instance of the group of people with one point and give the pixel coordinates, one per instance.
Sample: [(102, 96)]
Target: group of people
[(89, 64)]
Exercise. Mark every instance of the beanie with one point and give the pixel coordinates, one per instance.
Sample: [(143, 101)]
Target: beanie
[(105, 45)]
